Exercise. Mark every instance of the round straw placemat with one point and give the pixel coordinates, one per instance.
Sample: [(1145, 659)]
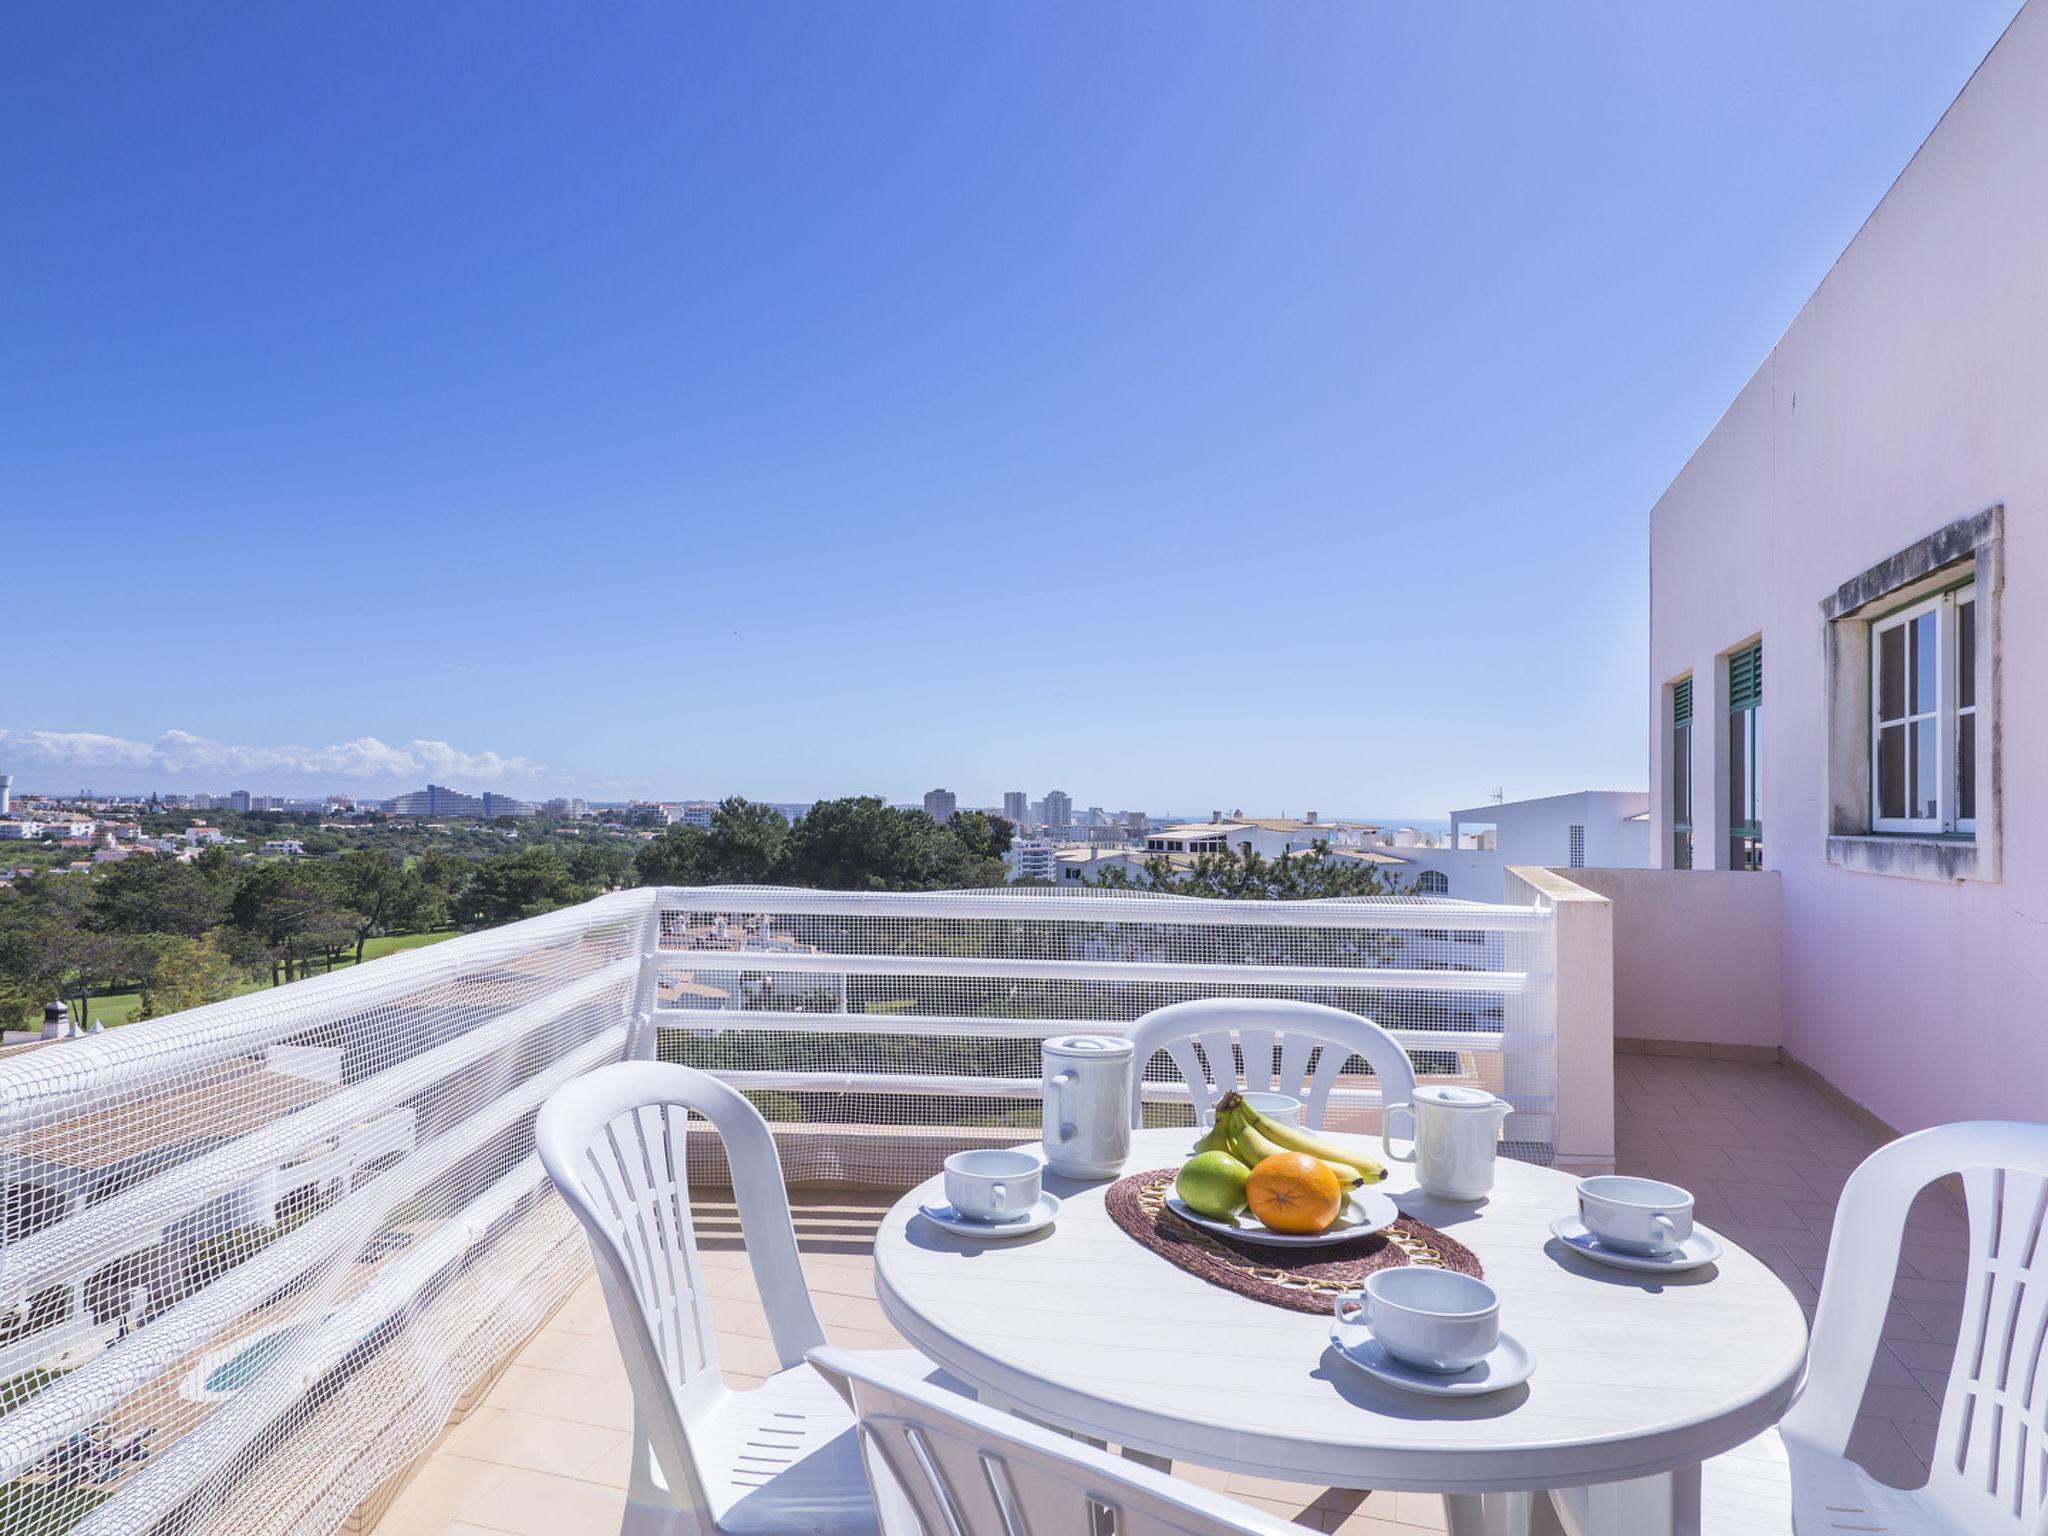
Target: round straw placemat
[(1299, 1279)]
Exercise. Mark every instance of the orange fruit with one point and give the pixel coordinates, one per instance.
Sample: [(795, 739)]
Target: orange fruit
[(1293, 1192)]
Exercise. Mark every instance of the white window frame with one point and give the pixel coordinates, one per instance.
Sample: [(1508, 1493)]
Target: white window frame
[(1967, 825), (1946, 820)]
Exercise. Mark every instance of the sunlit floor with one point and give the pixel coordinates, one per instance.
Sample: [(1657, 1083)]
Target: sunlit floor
[(1764, 1153)]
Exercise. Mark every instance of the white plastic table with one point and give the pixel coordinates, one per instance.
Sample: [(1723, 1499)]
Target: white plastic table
[(1639, 1378)]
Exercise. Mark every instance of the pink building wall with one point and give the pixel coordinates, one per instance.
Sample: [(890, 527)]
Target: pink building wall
[(1911, 390)]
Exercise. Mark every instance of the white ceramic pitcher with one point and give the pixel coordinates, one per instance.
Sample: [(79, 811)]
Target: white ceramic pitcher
[(1454, 1131), (1088, 1105)]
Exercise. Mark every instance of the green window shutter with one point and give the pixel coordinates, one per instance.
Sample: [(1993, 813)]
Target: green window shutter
[(1746, 678), (1681, 702)]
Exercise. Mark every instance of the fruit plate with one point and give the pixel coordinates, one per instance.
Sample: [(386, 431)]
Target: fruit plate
[(1365, 1212)]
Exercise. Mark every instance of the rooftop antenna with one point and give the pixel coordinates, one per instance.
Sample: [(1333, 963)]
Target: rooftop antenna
[(1499, 795)]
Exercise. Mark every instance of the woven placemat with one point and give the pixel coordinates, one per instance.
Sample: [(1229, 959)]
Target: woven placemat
[(1299, 1279)]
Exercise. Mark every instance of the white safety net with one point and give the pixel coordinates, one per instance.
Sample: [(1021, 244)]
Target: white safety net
[(253, 1253), (254, 1256), (878, 1033)]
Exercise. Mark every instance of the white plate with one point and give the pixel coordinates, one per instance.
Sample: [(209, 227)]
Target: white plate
[(1365, 1211), (1700, 1248), (1509, 1365), (1039, 1216)]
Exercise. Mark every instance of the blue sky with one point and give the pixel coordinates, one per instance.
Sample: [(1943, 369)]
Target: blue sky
[(1181, 404)]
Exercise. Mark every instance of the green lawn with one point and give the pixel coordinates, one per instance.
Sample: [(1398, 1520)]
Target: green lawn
[(126, 1007)]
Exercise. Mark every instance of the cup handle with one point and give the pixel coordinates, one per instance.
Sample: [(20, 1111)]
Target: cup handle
[(1353, 1307), (1062, 1130), (1387, 1132), (999, 1197), (1665, 1229)]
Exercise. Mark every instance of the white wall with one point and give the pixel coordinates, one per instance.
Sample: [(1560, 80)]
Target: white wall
[(1539, 831), (1696, 954), (1910, 391)]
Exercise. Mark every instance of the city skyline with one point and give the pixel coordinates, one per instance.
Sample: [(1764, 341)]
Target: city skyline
[(671, 405)]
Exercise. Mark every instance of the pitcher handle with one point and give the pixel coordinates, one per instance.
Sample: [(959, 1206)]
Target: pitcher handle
[(1387, 1132), (1062, 1130)]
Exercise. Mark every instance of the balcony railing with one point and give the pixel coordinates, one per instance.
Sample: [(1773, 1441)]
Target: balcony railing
[(270, 1243)]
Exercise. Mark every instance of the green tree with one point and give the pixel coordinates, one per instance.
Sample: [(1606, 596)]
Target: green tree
[(601, 864), (981, 835), (517, 885), (860, 844), (290, 916), (149, 894), (680, 856), (748, 843), (189, 973), (379, 894)]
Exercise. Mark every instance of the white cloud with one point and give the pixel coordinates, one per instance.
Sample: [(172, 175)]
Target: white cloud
[(187, 759)]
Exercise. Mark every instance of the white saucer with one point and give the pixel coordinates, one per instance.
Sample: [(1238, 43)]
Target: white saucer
[(1509, 1365), (1700, 1248), (1039, 1216), (1365, 1211)]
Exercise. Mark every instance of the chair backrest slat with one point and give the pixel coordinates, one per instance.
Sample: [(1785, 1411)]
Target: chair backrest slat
[(1292, 1047)]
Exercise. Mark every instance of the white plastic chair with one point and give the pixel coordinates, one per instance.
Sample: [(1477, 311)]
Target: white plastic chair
[(941, 1464), (781, 1457), (1990, 1464), (1264, 1028)]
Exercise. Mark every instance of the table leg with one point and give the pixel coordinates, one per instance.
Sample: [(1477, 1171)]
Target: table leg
[(1665, 1505), (1488, 1514)]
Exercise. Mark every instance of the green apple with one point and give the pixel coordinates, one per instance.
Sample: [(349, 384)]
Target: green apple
[(1212, 1184)]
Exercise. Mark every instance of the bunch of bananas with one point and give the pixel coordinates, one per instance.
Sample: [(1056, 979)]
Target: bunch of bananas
[(1251, 1138)]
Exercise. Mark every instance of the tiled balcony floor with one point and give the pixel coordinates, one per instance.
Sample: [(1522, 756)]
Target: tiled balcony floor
[(1765, 1154)]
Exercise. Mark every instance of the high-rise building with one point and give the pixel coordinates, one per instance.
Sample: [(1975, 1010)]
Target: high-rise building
[(940, 805), (1059, 809), (6, 793), (1016, 807), (239, 800), (439, 800)]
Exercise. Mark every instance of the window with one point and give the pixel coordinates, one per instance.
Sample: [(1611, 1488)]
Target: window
[(1911, 650), (1923, 727), (1745, 758), (1681, 774), (1433, 882), (1576, 841)]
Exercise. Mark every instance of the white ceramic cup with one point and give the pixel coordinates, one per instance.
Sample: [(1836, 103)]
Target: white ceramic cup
[(993, 1183), (1433, 1319), (1642, 1216), (1284, 1107)]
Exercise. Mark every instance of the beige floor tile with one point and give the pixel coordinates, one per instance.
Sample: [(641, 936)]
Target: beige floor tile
[(441, 1491), (544, 1443), (537, 1504)]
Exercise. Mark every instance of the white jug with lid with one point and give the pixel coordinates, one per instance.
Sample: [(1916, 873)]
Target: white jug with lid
[(1454, 1131), (1088, 1105)]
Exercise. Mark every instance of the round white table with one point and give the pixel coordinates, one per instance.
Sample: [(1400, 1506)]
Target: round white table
[(1639, 1378)]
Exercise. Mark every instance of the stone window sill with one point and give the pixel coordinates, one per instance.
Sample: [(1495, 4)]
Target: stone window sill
[(1907, 856)]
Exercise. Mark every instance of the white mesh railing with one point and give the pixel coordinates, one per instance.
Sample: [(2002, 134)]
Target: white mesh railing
[(253, 1254)]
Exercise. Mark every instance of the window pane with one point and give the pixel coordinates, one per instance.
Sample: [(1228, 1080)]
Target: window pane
[(1681, 774), (1925, 674), (1966, 767), (1738, 768), (1891, 771), (1891, 673), (1966, 654), (1926, 771)]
